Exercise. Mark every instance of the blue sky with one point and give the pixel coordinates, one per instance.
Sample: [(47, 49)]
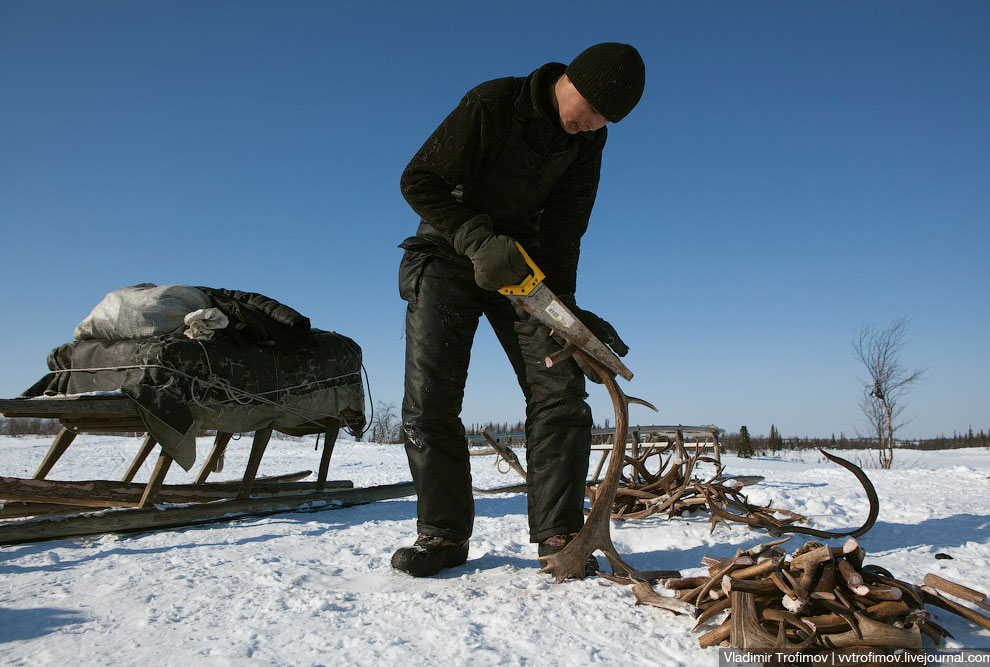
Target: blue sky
[(793, 170)]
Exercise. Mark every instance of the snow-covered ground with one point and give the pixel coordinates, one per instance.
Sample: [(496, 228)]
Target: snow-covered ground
[(316, 588)]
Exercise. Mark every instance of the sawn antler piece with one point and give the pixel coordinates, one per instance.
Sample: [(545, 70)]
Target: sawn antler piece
[(595, 535)]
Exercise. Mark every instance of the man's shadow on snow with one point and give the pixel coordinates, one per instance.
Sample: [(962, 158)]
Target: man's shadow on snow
[(404, 509), (21, 624), (310, 523), (943, 535)]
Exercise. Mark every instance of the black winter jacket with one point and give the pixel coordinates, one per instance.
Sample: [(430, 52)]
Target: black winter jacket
[(502, 153)]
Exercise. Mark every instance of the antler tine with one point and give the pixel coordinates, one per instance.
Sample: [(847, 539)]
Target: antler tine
[(639, 401), (646, 595)]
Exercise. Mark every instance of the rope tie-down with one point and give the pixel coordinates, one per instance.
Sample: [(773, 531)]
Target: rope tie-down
[(200, 388)]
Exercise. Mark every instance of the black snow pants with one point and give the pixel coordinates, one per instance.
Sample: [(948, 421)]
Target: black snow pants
[(442, 314)]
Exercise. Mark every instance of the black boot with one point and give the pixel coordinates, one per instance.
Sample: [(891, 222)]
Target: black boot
[(552, 545), (429, 555)]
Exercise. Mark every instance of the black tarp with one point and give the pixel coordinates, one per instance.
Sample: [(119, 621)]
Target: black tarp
[(181, 386)]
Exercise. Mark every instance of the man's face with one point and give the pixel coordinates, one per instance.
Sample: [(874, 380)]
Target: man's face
[(576, 114)]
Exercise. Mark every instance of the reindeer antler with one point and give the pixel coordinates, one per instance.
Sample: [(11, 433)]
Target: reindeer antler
[(595, 535)]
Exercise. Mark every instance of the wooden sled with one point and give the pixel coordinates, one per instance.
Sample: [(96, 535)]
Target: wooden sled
[(125, 506)]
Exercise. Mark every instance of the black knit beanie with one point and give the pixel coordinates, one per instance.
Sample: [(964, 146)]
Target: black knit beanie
[(610, 76)]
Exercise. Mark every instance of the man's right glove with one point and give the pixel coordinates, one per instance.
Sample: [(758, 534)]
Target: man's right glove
[(602, 330), (497, 261)]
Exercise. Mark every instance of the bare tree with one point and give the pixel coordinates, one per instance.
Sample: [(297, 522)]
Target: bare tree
[(888, 382), (386, 426)]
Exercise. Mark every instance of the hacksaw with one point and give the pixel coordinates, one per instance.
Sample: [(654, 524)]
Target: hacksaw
[(536, 298)]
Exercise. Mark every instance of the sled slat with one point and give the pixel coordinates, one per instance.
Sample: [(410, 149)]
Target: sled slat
[(130, 520), (53, 408), (102, 493)]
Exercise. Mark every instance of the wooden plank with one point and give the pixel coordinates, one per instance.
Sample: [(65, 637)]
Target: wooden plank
[(18, 510), (261, 482), (106, 493), (157, 477), (633, 449), (333, 428), (598, 468), (111, 406), (70, 415), (261, 438), (512, 488), (703, 446), (647, 434), (90, 425), (131, 520), (664, 429), (10, 486), (72, 498), (504, 452), (261, 487), (679, 444), (146, 447), (214, 461), (61, 443), (744, 480)]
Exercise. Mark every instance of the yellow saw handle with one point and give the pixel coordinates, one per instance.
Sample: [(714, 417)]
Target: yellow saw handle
[(531, 281)]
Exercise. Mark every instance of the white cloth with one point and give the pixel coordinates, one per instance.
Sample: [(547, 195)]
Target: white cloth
[(204, 323), (142, 310)]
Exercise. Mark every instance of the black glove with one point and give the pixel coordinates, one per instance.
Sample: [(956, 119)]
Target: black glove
[(497, 261), (602, 330)]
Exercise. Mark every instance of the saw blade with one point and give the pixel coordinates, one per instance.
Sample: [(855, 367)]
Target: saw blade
[(551, 311)]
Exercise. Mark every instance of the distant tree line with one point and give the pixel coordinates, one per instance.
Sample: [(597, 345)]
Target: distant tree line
[(743, 443), (386, 428), (517, 427), (28, 426), (497, 427), (957, 441)]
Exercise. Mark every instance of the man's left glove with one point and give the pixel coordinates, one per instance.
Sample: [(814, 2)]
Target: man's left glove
[(496, 259), (602, 330)]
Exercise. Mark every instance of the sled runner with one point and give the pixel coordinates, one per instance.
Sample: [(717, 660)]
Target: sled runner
[(202, 500)]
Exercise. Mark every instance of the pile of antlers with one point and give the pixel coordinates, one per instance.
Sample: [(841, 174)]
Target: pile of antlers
[(822, 598), (672, 489)]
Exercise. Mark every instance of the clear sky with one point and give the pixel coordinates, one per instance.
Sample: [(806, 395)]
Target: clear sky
[(793, 170)]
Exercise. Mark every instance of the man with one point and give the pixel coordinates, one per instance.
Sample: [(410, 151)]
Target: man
[(518, 160)]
